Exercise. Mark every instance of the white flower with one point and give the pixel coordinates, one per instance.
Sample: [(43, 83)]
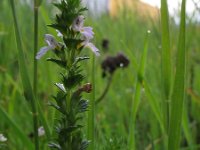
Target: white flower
[(2, 138), (41, 131), (61, 86), (52, 44)]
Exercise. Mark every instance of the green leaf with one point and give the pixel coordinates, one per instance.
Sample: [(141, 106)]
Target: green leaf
[(136, 99), (72, 43), (179, 88), (58, 62), (166, 63)]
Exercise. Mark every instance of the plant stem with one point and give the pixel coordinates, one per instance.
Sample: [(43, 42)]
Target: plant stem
[(35, 47), (35, 67), (91, 124), (105, 90), (28, 92)]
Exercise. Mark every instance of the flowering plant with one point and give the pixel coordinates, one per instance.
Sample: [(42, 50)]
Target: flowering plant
[(75, 36)]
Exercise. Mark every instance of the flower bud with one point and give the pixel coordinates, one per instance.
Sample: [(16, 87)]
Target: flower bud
[(87, 88)]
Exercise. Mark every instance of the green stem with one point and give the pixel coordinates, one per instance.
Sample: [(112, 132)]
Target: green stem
[(105, 91), (91, 124), (35, 47), (24, 75)]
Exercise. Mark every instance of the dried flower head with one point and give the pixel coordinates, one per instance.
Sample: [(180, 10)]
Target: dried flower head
[(87, 88), (111, 63), (105, 44), (122, 60)]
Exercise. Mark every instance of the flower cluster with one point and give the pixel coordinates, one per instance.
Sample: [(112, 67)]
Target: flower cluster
[(77, 26), (69, 24)]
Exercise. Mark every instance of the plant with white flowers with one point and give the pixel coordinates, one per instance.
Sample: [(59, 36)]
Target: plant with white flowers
[(68, 101)]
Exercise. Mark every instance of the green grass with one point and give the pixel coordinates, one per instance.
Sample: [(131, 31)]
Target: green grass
[(178, 94), (109, 120)]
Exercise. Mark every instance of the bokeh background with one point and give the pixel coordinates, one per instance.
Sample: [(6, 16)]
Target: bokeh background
[(123, 24)]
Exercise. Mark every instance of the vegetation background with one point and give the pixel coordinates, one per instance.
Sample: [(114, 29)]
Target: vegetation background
[(126, 32)]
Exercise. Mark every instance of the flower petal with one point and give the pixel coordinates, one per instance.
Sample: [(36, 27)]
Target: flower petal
[(93, 48), (50, 40), (42, 51), (87, 32), (41, 131), (78, 23)]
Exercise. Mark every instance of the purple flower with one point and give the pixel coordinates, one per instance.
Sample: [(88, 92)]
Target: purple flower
[(87, 34), (52, 44), (87, 44), (78, 26)]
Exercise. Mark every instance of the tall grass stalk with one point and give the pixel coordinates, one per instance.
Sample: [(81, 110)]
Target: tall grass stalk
[(37, 4), (179, 88), (35, 46), (166, 63), (136, 99), (91, 113), (28, 92)]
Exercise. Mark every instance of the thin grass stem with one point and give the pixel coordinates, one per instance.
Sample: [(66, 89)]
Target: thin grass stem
[(28, 92), (35, 47)]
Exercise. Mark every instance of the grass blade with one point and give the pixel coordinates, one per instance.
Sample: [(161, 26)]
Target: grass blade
[(166, 62), (154, 105), (136, 100), (179, 88), (186, 128)]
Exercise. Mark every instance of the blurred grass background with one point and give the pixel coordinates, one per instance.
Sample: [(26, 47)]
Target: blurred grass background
[(126, 33)]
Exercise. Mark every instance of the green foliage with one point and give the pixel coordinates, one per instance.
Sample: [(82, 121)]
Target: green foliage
[(126, 33), (166, 63), (178, 95)]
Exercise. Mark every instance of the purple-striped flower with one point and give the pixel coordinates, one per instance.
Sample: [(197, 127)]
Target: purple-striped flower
[(87, 44), (51, 44), (78, 26), (87, 34)]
